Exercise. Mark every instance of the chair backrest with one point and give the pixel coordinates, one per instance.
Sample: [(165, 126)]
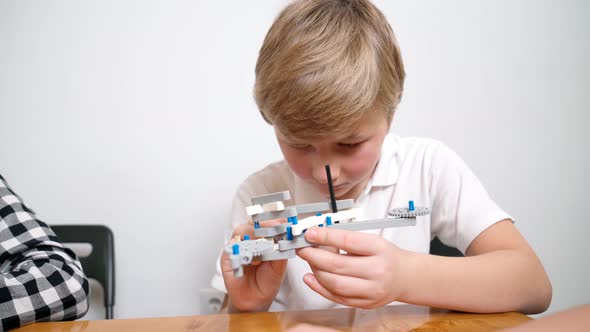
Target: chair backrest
[(100, 264), (440, 249)]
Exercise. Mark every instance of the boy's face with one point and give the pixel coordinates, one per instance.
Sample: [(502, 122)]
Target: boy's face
[(352, 157)]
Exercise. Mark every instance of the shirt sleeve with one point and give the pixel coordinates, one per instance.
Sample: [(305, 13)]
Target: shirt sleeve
[(40, 279), (462, 208), (241, 200), (273, 178)]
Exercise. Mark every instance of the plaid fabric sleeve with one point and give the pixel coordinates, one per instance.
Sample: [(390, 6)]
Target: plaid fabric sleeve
[(40, 279)]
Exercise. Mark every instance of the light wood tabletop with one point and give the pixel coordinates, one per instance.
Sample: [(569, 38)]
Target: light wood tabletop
[(389, 318)]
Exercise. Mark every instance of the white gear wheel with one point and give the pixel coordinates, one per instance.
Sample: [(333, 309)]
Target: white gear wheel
[(406, 213)]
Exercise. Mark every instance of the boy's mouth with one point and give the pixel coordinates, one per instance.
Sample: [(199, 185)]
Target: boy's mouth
[(337, 189)]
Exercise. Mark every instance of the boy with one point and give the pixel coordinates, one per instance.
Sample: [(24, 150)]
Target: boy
[(40, 280), (328, 79)]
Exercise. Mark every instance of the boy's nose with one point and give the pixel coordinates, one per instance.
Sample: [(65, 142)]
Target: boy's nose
[(319, 173)]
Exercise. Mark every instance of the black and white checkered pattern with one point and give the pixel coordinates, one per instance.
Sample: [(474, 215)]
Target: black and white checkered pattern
[(40, 279)]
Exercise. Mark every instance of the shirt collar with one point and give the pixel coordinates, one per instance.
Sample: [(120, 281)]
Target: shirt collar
[(387, 170)]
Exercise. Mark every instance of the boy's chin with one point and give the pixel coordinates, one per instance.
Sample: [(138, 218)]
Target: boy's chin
[(339, 192)]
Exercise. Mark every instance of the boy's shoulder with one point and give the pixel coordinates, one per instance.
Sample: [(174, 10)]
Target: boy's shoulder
[(276, 176), (413, 156), (427, 157)]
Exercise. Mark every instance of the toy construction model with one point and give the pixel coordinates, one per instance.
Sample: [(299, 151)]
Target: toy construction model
[(280, 241)]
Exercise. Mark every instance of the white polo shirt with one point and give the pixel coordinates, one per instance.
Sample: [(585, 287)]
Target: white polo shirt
[(419, 169)]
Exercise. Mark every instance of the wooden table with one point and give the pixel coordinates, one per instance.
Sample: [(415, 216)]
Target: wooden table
[(390, 318)]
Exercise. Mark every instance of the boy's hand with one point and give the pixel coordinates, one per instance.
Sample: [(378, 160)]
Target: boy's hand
[(256, 290), (368, 276)]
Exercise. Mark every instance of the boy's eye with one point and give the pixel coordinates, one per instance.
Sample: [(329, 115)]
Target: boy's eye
[(299, 146), (350, 145)]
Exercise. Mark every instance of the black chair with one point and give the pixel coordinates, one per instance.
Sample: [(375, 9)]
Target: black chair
[(100, 264), (440, 249)]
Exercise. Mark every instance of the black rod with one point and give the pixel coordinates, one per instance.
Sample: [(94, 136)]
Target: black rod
[(331, 188)]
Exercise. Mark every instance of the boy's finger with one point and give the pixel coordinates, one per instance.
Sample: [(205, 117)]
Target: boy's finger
[(241, 230), (273, 222), (349, 241), (344, 286), (321, 259), (312, 282)]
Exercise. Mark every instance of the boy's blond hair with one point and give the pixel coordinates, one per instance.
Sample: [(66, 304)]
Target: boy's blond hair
[(324, 65)]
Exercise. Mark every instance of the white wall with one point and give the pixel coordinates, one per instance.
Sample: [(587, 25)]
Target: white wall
[(139, 115)]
